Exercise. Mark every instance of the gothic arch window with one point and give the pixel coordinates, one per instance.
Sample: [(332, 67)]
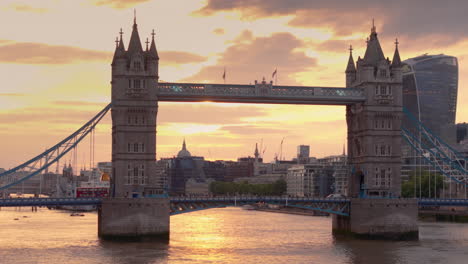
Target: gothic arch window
[(137, 65), (135, 175), (129, 174), (383, 73), (137, 84), (135, 147)]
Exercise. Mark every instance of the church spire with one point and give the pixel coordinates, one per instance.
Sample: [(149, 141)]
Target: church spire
[(396, 62), (184, 146), (351, 67), (256, 154)]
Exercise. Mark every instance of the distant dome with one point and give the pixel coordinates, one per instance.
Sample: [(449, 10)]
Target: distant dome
[(183, 153)]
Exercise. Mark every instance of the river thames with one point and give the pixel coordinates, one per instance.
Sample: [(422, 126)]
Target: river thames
[(226, 235)]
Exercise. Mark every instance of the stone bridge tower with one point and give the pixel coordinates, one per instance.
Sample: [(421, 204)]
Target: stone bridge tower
[(374, 126), (134, 111)]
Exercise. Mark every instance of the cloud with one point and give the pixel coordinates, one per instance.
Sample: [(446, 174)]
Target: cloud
[(49, 115), (118, 4), (256, 130), (171, 58), (250, 58), (416, 18), (27, 8), (219, 31), (11, 94), (76, 103), (40, 53), (205, 113)]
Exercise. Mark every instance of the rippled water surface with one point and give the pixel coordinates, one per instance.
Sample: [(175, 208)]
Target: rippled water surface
[(226, 235)]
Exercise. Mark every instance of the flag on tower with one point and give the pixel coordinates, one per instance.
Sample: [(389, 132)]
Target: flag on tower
[(274, 73)]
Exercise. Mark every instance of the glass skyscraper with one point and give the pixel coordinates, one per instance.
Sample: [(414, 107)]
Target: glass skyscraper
[(430, 84)]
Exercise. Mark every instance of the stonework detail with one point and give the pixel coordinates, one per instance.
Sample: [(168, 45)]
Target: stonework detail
[(374, 126), (134, 111)]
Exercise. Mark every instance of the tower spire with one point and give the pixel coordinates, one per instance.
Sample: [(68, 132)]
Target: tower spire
[(134, 16), (135, 44), (374, 53), (153, 53), (351, 67), (396, 62)]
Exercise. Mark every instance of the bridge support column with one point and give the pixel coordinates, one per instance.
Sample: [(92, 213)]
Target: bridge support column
[(134, 218), (387, 219)]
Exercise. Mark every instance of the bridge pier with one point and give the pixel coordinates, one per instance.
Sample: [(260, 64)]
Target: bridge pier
[(134, 218), (387, 219)]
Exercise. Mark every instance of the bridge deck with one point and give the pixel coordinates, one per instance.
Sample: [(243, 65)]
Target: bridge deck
[(258, 93)]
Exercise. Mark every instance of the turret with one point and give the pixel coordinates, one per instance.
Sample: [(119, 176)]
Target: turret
[(119, 61), (374, 66), (152, 58), (350, 69), (396, 64)]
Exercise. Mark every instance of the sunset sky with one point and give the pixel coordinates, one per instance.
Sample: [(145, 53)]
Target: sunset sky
[(55, 69)]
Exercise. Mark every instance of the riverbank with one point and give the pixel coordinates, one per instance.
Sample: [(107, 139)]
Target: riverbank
[(292, 210)]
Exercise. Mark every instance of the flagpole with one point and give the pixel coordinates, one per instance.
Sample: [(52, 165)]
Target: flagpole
[(276, 77)]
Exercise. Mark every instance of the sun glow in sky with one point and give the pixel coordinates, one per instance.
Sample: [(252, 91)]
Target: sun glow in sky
[(55, 60)]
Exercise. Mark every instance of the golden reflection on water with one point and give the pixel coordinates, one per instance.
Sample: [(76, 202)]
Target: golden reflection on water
[(225, 235)]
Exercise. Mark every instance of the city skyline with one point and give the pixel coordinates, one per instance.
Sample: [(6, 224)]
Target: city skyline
[(59, 72)]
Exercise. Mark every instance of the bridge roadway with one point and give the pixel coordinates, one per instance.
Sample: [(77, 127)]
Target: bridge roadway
[(179, 205)]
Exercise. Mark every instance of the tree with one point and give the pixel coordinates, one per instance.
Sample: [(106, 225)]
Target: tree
[(422, 182)]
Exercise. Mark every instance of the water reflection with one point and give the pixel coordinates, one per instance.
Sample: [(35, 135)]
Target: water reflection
[(122, 252), (225, 235)]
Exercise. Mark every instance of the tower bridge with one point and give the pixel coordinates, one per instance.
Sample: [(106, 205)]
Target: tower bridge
[(373, 100)]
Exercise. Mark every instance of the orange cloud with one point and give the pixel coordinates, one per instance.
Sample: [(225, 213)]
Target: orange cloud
[(252, 58), (198, 113), (40, 53), (219, 31), (27, 8), (415, 18), (118, 4), (171, 58)]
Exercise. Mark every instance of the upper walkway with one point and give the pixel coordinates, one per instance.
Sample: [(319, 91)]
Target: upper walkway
[(258, 93)]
